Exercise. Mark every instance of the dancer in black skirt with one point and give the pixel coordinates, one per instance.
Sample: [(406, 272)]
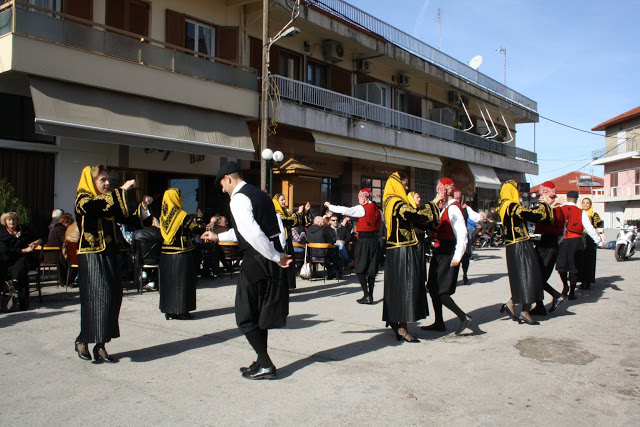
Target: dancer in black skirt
[(525, 276), (366, 251), (290, 220), (98, 211), (444, 266), (588, 275), (405, 296), (178, 270)]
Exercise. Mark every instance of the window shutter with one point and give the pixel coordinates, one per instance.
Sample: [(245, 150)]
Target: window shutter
[(274, 60), (228, 43), (138, 17), (115, 14), (255, 53), (174, 28), (80, 8), (414, 105), (340, 80)]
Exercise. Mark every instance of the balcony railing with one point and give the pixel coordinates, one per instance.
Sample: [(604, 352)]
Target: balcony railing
[(622, 191), (631, 145), (56, 27), (405, 41), (347, 106)]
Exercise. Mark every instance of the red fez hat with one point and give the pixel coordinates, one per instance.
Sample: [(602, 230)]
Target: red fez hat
[(548, 184), (446, 181), (365, 190)]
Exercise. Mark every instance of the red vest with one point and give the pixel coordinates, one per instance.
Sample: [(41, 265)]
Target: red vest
[(371, 220), (556, 228), (445, 230), (573, 221)]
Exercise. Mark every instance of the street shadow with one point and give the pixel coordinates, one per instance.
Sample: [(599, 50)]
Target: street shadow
[(10, 319), (597, 290), (341, 353), (484, 278), (328, 290), (205, 314), (174, 348)]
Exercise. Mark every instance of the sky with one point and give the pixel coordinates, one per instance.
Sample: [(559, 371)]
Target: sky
[(579, 60)]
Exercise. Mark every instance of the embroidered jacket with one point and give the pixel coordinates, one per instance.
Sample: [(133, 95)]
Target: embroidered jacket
[(98, 218), (515, 220), (183, 241), (405, 217)]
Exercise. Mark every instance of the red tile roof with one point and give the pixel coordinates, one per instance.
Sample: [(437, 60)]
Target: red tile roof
[(631, 114), (568, 182)]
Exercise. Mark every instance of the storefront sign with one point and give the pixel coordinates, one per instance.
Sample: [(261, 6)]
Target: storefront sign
[(461, 178), (195, 158), (311, 163)]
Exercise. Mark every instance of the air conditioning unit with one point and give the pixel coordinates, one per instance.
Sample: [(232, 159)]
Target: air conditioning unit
[(403, 80), (332, 50), (454, 97), (364, 66)]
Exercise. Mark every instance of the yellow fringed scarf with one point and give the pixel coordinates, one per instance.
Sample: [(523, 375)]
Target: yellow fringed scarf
[(411, 200), (284, 212), (172, 215), (508, 194), (86, 184), (393, 192)]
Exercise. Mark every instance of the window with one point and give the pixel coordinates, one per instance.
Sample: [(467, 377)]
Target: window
[(401, 101), (330, 189), (200, 38), (375, 93), (317, 74), (622, 146), (377, 187), (289, 65), (47, 4)]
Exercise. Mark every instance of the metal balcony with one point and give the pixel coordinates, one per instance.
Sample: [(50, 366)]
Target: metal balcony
[(347, 106)]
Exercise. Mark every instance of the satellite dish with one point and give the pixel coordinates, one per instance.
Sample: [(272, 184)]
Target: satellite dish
[(475, 62)]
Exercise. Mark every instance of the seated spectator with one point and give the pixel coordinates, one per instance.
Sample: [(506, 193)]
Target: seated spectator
[(56, 239), (493, 215), (19, 244), (221, 225), (319, 233), (342, 234), (55, 218), (299, 236)]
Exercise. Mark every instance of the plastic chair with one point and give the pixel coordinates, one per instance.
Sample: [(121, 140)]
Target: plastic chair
[(72, 258), (319, 260), (231, 256)]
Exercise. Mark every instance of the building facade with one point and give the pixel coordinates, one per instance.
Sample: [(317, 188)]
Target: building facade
[(621, 161), (166, 91)]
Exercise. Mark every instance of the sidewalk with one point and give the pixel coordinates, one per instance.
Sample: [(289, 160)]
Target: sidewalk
[(337, 364)]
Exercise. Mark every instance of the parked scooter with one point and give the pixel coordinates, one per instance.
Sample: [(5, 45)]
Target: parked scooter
[(626, 241)]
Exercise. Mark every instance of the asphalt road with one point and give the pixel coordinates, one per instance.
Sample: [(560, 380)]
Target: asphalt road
[(337, 364)]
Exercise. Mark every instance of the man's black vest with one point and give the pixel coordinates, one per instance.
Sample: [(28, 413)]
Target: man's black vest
[(263, 211)]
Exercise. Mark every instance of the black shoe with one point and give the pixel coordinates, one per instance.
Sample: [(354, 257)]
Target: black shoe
[(100, 355), (404, 337), (463, 324), (465, 279), (251, 367), (504, 308), (522, 319), (438, 327), (572, 296), (365, 300), (557, 302), (82, 350), (587, 286), (539, 310), (260, 373)]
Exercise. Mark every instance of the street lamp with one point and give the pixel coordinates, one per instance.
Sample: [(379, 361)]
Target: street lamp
[(271, 158), (267, 42)]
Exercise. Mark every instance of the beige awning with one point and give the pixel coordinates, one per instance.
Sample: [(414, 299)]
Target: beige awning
[(485, 176), (347, 147), (83, 112)]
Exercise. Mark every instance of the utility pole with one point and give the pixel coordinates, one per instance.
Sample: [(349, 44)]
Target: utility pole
[(264, 113), (439, 29), (503, 50)]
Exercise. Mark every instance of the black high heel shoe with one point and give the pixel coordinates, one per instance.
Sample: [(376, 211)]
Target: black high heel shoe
[(170, 316), (404, 337), (504, 308), (100, 354), (522, 319), (394, 328), (84, 354)]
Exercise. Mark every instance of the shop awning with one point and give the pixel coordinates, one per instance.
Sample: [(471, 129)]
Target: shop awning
[(346, 147), (83, 112), (485, 176), (631, 212)]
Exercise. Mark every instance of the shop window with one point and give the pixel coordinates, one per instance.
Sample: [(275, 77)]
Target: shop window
[(376, 185), (317, 74), (331, 189), (17, 120), (128, 15)]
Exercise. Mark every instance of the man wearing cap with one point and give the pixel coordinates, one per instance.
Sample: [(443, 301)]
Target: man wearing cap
[(366, 252), (262, 297), (547, 247), (445, 262), (569, 260)]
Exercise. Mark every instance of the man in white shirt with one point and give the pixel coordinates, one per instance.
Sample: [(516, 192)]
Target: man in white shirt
[(262, 297), (445, 262)]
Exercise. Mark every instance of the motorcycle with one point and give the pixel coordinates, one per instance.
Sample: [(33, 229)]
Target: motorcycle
[(626, 242)]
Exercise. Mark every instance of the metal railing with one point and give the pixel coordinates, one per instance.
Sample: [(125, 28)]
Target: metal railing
[(405, 41), (347, 106), (56, 27), (621, 191), (630, 145)]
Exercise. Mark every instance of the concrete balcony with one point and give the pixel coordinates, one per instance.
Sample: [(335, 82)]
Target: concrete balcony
[(45, 43), (314, 108), (621, 193)]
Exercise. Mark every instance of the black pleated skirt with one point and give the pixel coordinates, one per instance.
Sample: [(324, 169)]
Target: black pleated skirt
[(588, 272), (100, 297), (547, 256), (289, 274), (405, 296), (366, 256), (525, 276), (178, 277)]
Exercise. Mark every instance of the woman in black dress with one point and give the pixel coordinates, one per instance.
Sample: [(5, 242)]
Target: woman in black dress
[(290, 220), (99, 210), (525, 275), (178, 270), (588, 275)]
